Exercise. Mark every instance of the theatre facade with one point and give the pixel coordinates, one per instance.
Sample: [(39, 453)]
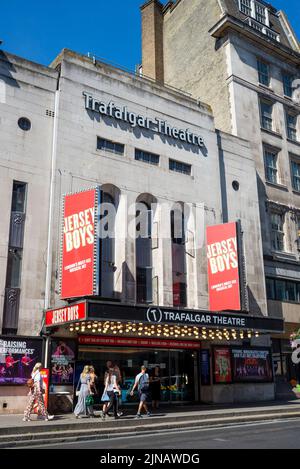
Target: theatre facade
[(151, 239)]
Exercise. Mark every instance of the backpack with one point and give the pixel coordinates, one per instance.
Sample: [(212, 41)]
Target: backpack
[(144, 383)]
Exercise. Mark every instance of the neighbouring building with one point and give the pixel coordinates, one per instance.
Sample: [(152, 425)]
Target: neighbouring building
[(150, 156), (242, 57)]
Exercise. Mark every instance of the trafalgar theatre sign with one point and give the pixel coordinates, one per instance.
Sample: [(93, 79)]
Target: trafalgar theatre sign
[(155, 125)]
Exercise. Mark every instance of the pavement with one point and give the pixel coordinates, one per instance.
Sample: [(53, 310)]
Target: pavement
[(65, 428), (274, 434)]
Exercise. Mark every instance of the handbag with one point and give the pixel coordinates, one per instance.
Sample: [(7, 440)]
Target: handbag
[(105, 397), (89, 400), (30, 383)]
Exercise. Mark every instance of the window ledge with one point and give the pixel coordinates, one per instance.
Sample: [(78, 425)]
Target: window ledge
[(288, 97), (296, 192), (271, 132), (277, 186), (284, 301), (284, 256), (266, 87), (294, 142)]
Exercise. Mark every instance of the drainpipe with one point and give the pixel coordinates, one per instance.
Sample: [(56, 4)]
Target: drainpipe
[(51, 208)]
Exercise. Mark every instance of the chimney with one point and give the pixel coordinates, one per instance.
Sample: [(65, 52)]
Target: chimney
[(152, 40)]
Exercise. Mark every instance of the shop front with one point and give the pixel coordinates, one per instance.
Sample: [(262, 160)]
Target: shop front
[(177, 362), (202, 356)]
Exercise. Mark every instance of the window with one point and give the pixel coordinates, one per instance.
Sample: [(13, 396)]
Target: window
[(146, 157), (180, 167), (283, 290), (108, 145), (24, 124), (271, 166), (14, 263), (277, 226), (144, 254), (260, 13), (246, 7), (288, 85), (295, 167), (18, 197), (107, 245), (266, 110), (178, 258), (263, 72), (291, 123), (270, 285)]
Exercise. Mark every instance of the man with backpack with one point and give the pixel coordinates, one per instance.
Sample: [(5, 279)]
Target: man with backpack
[(142, 383)]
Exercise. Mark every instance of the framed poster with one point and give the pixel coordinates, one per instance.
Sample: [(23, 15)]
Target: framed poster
[(18, 355), (63, 353), (223, 267), (252, 365), (205, 367), (79, 257), (222, 365)]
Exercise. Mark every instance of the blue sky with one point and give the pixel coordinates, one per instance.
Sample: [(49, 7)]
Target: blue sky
[(39, 29)]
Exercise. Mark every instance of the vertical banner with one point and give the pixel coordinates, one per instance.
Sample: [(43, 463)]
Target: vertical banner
[(205, 367), (79, 264), (222, 366), (223, 267), (45, 377)]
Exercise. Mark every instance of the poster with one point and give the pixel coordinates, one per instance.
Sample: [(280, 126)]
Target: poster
[(205, 367), (223, 267), (222, 366), (62, 361), (18, 356), (45, 377), (79, 261), (250, 365)]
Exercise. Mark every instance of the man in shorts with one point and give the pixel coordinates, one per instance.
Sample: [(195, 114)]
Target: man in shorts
[(142, 383)]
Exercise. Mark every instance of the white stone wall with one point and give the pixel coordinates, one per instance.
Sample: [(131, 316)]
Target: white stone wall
[(26, 156), (77, 150)]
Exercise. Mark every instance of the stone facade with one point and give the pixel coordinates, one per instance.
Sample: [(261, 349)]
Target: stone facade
[(211, 50), (59, 155)]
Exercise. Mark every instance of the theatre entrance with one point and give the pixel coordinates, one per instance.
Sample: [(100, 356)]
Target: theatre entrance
[(178, 370)]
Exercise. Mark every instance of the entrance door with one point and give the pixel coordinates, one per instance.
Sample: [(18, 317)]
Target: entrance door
[(177, 370)]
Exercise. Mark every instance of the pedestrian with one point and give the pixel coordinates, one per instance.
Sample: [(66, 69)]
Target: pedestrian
[(84, 390), (155, 385), (36, 395), (112, 389), (142, 383), (93, 380)]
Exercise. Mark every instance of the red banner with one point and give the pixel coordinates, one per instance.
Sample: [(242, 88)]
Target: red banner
[(223, 268), (45, 377), (78, 264), (138, 342), (65, 315)]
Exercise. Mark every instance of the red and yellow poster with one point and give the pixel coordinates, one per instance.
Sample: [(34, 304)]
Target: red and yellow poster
[(222, 366), (78, 255), (45, 377), (223, 267)]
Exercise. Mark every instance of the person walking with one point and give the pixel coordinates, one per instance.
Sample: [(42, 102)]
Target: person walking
[(142, 383), (94, 391), (112, 389), (84, 388), (36, 395), (155, 385)]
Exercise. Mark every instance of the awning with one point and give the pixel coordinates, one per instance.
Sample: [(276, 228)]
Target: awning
[(93, 314)]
